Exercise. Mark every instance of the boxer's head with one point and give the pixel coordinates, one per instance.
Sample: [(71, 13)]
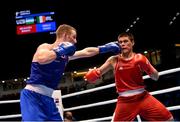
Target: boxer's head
[(126, 42), (67, 32)]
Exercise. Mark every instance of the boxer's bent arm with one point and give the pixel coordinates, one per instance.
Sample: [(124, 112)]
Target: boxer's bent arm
[(94, 74), (108, 65), (151, 71), (44, 55), (144, 63), (86, 52)]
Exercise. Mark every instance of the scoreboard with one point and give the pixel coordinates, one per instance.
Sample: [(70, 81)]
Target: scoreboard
[(27, 22)]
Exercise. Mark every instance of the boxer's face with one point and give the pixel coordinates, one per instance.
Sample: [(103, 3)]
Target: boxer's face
[(126, 44), (72, 37)]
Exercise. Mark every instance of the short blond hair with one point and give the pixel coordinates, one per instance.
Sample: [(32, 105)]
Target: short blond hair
[(64, 28)]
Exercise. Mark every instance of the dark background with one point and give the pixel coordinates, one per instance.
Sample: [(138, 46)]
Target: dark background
[(97, 22)]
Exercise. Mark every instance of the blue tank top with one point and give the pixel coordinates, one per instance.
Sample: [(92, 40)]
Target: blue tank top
[(48, 74)]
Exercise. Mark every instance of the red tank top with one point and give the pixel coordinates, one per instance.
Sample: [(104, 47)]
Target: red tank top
[(128, 75)]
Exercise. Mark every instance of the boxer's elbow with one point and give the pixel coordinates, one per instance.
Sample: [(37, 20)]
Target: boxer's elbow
[(44, 57), (155, 76)]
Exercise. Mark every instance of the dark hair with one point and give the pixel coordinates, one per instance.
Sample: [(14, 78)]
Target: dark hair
[(68, 115), (126, 34)]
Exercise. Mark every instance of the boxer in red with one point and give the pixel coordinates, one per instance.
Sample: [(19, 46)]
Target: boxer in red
[(128, 69)]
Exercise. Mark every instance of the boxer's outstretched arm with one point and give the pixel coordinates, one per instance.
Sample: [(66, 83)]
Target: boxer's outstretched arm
[(92, 51), (86, 52)]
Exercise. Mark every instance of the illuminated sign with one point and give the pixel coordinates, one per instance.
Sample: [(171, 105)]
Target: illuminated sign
[(27, 23)]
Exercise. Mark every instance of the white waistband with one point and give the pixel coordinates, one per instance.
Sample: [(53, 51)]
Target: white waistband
[(41, 89), (131, 92)]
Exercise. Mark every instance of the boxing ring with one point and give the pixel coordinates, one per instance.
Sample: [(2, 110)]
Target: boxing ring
[(101, 103)]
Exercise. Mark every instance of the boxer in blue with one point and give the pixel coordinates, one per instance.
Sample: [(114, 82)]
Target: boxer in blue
[(48, 64)]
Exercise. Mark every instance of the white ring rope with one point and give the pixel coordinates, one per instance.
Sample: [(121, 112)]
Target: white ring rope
[(100, 88), (165, 90), (165, 72), (9, 101), (114, 100), (104, 102), (113, 84), (89, 90), (91, 105), (10, 116), (138, 117)]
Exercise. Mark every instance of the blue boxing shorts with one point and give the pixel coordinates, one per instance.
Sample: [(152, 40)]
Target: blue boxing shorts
[(38, 107)]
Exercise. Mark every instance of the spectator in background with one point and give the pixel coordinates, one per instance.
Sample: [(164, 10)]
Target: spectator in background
[(68, 116)]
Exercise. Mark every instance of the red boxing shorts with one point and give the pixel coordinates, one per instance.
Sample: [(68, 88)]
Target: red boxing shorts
[(144, 104)]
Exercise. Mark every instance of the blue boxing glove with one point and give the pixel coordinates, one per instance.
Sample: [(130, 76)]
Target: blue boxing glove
[(65, 48), (110, 47)]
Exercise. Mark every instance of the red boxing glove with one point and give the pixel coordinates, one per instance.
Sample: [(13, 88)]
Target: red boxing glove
[(92, 75)]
